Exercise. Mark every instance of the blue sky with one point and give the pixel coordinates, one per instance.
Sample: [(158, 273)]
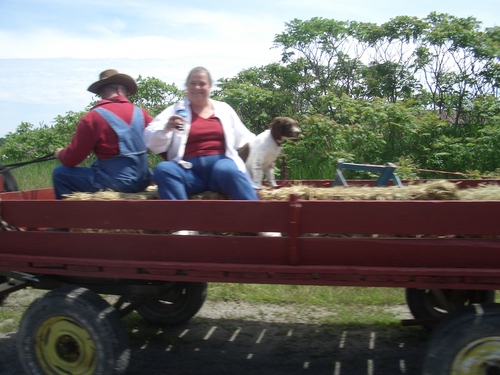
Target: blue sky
[(52, 50)]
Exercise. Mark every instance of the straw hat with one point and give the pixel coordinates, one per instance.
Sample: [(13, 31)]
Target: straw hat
[(112, 76)]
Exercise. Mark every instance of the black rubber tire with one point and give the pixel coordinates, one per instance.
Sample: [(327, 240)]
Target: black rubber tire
[(72, 330), (466, 342), (423, 304), (177, 307)]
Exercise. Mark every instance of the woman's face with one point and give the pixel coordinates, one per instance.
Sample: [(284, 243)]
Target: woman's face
[(198, 88)]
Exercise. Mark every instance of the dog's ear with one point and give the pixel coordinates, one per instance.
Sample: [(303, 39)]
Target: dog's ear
[(276, 127), (244, 151)]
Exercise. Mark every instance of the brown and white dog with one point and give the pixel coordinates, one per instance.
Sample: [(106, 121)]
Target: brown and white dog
[(260, 154)]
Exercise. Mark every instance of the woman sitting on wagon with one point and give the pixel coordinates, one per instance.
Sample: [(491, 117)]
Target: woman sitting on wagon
[(200, 145)]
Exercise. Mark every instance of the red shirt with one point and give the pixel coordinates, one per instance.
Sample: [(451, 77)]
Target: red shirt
[(93, 134), (205, 137)]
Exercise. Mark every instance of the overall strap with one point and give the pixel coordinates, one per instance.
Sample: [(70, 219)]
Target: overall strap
[(130, 137)]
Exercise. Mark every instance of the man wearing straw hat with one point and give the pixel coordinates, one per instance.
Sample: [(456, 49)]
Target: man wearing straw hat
[(112, 130)]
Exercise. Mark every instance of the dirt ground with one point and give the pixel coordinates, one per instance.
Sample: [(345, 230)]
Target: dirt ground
[(240, 338)]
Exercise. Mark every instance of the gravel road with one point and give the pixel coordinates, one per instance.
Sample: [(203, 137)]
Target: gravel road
[(244, 339)]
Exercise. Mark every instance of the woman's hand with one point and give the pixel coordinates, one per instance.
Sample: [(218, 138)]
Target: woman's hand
[(175, 122)]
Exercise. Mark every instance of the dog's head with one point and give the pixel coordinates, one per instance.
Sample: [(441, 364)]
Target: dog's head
[(283, 128)]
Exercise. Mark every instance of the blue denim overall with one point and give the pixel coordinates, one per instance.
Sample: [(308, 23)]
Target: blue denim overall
[(127, 172)]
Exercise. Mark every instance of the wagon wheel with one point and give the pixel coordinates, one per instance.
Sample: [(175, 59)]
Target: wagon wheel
[(72, 330), (436, 303), (179, 305), (468, 342)]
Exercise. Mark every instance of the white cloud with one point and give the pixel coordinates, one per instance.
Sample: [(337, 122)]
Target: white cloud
[(38, 90), (53, 50), (111, 29)]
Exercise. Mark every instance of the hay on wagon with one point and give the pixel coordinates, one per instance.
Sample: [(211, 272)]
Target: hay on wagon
[(430, 190)]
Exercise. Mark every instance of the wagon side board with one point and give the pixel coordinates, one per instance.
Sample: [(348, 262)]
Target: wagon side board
[(419, 244)]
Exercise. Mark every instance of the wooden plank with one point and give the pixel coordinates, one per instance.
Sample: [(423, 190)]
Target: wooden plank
[(37, 194), (88, 269), (400, 217), (296, 276), (366, 252), (146, 265), (396, 252), (248, 275), (456, 278), (154, 248), (438, 279), (16, 263), (121, 270), (466, 218), (211, 216)]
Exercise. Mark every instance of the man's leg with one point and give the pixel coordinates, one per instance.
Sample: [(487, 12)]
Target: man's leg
[(69, 180)]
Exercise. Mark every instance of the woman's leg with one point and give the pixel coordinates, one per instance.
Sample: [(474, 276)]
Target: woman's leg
[(170, 178), (226, 178), (176, 182)]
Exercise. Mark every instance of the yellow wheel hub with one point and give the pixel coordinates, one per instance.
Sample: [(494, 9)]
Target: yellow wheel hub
[(480, 357), (62, 347)]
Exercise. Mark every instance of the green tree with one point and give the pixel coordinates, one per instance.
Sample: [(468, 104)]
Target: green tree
[(393, 63), (29, 142), (259, 94), (155, 95), (458, 57), (322, 49), (419, 92)]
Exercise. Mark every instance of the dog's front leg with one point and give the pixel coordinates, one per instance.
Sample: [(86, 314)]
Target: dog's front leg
[(270, 177), (257, 173)]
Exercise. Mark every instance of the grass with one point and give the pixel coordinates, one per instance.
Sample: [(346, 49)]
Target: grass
[(339, 305), (321, 304), (336, 309), (333, 308), (13, 308), (35, 176), (298, 294)]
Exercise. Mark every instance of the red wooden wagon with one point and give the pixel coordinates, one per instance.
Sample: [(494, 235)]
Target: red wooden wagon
[(444, 253)]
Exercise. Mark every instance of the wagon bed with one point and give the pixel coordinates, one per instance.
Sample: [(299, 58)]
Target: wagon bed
[(420, 244)]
